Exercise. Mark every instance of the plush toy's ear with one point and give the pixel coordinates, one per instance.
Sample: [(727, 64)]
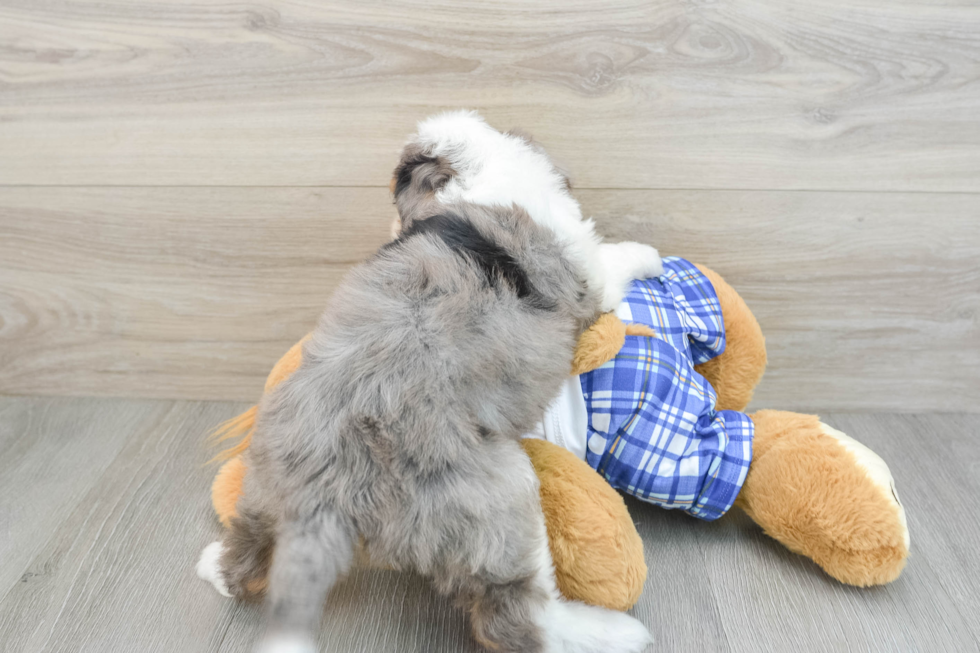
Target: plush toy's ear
[(241, 426)]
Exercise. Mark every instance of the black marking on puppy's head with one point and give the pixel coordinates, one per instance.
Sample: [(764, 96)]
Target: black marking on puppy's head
[(419, 172), (494, 261), (408, 167)]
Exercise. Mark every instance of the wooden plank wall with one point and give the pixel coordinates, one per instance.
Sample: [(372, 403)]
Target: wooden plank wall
[(183, 182)]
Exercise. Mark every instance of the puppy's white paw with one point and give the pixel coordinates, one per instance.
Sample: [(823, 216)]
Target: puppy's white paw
[(572, 627), (622, 263), (642, 260), (627, 635), (283, 643), (209, 569)]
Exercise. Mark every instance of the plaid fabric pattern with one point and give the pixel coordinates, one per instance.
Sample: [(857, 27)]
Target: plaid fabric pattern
[(653, 431)]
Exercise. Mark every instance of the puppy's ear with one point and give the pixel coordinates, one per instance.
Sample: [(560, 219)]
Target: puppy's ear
[(419, 172), (417, 178)]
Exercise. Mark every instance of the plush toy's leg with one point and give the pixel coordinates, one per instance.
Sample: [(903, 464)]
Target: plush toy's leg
[(735, 373), (826, 496), (598, 554)]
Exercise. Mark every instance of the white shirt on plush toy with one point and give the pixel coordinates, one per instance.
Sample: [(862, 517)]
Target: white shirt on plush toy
[(566, 420)]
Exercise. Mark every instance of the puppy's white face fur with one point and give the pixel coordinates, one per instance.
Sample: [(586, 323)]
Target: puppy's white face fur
[(493, 168)]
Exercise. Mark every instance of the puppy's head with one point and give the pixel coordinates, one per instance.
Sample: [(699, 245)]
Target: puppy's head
[(457, 156)]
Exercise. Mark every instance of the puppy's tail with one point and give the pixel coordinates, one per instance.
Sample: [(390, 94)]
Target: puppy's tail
[(312, 553)]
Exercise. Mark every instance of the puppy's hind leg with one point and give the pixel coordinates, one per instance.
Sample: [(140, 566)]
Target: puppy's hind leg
[(524, 612), (312, 552), (238, 565), (575, 627)]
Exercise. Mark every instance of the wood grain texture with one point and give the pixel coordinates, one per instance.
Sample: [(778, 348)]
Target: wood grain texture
[(188, 293), (114, 574), (868, 300), (734, 94), (112, 567), (41, 444)]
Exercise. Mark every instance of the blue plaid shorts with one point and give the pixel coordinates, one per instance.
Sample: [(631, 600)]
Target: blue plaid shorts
[(653, 430)]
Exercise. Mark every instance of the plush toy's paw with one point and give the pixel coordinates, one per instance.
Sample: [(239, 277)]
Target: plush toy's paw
[(209, 568), (597, 553), (624, 262), (826, 496), (879, 473)]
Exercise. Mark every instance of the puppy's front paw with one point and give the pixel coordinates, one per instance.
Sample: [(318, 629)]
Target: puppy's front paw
[(209, 568), (642, 261), (622, 263)]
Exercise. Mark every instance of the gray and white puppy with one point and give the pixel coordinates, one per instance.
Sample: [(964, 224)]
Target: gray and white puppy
[(483, 166), (401, 428)]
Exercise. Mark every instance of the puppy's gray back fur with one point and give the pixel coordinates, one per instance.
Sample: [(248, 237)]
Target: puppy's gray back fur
[(402, 422)]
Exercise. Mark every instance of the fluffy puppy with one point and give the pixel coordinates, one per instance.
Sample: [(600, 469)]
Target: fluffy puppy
[(457, 156), (401, 427)]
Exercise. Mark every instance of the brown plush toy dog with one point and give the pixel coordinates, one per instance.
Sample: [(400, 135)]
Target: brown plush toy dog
[(819, 492)]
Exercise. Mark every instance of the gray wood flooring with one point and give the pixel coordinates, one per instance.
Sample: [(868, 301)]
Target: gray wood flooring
[(104, 509)]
